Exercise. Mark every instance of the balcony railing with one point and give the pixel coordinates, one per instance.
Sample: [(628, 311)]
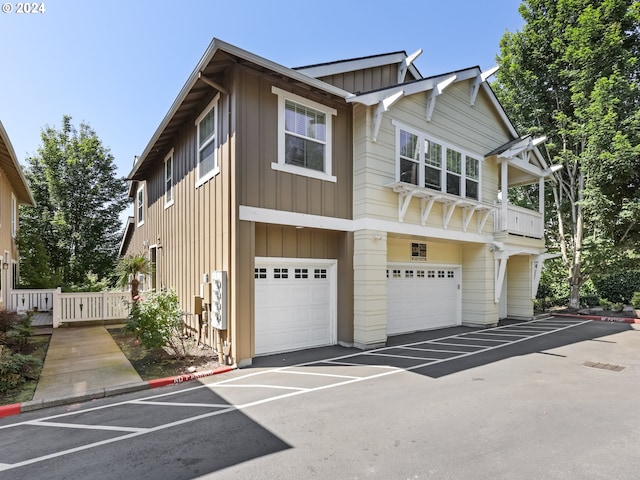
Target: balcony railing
[(519, 221)]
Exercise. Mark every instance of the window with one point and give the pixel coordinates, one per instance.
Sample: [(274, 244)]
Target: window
[(301, 273), (168, 179), (431, 163), (14, 216), (260, 272), (304, 136), (280, 273), (207, 134), (140, 205), (419, 251)]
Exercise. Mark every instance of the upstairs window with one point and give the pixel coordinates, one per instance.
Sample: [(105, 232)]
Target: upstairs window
[(140, 205), (431, 163), (207, 134), (304, 136), (168, 179)]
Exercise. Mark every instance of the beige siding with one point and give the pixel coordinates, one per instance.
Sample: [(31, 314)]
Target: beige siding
[(478, 285), (399, 250), (7, 242), (519, 302)]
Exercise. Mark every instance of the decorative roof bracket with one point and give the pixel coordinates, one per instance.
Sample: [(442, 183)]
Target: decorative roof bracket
[(426, 205), (467, 215), (382, 107), (482, 219), (404, 66), (212, 84), (448, 208), (435, 91), (480, 79), (403, 203)]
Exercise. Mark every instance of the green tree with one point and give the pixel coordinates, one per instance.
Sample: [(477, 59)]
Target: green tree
[(572, 73), (75, 226)]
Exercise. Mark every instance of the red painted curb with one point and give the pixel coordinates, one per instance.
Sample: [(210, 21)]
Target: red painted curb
[(598, 318), (163, 382), (8, 410)]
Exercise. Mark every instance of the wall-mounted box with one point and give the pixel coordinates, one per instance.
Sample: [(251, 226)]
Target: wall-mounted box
[(197, 305)]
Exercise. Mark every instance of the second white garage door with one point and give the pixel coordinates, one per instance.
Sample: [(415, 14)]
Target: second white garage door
[(295, 304), (422, 297)]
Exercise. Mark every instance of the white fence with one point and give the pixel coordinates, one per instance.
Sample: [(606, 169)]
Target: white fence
[(74, 307)]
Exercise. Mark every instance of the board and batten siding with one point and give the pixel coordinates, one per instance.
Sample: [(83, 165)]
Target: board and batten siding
[(366, 80), (190, 236), (257, 148)]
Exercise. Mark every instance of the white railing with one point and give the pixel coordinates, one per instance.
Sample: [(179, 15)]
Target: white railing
[(73, 307), (519, 221), (33, 299)]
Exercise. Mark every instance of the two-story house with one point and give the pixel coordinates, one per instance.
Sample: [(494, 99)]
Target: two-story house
[(335, 203), (14, 191)]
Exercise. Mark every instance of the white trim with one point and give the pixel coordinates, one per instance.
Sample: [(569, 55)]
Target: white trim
[(168, 156), (14, 215), (329, 112), (213, 104), (281, 217), (140, 205), (422, 136)]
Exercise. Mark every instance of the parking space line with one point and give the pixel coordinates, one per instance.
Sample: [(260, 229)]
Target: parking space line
[(432, 350), (350, 364), (87, 427), (180, 404), (480, 347), (333, 375), (398, 356), (277, 387), (468, 335)]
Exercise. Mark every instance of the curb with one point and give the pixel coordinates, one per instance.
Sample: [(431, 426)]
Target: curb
[(18, 408), (599, 318)]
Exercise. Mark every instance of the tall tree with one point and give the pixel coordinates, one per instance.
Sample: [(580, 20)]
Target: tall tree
[(78, 202), (573, 73)]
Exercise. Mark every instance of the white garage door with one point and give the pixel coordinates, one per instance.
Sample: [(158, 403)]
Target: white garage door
[(422, 297), (295, 304)]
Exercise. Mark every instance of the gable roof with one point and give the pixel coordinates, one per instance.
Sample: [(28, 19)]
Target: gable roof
[(343, 66), (9, 163), (218, 56)]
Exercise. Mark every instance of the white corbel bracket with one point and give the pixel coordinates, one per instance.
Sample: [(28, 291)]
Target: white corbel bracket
[(426, 205), (382, 107), (403, 203), (404, 66), (435, 91), (448, 208), (479, 80)]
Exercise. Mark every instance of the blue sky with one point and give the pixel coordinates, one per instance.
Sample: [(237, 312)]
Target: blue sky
[(119, 64)]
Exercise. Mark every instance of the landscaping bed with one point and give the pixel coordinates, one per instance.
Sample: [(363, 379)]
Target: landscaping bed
[(158, 363), (36, 346)]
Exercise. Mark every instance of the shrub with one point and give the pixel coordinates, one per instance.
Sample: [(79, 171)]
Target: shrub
[(16, 369), (605, 304), (157, 322), (635, 300), (618, 287)]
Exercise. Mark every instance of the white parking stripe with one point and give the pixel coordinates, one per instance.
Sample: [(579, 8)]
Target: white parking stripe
[(397, 356), (317, 374), (87, 427), (388, 370), (180, 404)]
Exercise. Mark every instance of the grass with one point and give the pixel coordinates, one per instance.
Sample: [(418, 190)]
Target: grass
[(36, 346)]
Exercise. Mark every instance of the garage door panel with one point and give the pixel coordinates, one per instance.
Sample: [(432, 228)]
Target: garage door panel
[(422, 298), (294, 307)]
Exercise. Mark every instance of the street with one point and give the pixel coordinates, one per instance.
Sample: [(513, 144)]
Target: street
[(548, 399)]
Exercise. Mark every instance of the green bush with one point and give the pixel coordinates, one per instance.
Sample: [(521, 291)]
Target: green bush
[(605, 304), (618, 287), (635, 300), (16, 369), (156, 321)]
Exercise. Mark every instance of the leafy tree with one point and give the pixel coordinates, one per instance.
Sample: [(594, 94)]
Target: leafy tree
[(74, 229), (572, 73)]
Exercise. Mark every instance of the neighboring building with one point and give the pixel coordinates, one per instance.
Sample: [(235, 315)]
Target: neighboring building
[(344, 202), (14, 191)]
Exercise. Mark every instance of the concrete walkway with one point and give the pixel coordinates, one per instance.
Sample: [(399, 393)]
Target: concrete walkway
[(83, 361)]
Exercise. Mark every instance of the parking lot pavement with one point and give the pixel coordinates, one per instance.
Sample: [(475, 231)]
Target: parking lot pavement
[(553, 398)]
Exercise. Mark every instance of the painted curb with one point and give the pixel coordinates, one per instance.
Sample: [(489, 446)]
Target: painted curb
[(599, 318), (163, 382), (18, 408)]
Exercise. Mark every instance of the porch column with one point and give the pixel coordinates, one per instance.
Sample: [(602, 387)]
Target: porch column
[(541, 197), (504, 214), (369, 288)]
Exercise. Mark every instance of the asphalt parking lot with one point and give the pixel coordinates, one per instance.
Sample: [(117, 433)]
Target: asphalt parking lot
[(553, 398)]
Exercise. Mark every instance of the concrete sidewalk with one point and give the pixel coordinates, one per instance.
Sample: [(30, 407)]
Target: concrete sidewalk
[(81, 363)]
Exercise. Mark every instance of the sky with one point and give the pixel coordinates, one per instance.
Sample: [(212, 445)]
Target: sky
[(118, 65)]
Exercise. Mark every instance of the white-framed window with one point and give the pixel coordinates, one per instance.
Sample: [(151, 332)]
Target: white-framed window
[(304, 136), (140, 205), (207, 137), (432, 163), (14, 216), (168, 179)]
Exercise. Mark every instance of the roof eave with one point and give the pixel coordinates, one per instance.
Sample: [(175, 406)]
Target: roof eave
[(27, 197)]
